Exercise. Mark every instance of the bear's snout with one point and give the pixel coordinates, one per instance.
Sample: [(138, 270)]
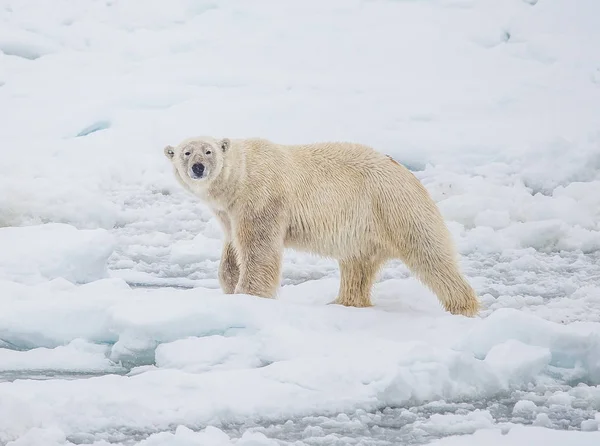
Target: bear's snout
[(198, 170)]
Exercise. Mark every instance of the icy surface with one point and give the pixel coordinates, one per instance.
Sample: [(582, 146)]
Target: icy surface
[(35, 254), (522, 436), (113, 329)]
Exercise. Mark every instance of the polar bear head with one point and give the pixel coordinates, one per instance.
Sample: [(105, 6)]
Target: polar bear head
[(198, 161)]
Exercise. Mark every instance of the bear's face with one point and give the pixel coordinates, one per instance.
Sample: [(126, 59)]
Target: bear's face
[(197, 161)]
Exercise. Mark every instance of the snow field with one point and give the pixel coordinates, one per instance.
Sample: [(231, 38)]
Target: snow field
[(36, 254), (493, 105), (213, 359), (522, 435), (212, 436)]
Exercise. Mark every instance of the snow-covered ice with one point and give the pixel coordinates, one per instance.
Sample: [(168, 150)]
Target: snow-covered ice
[(113, 330), (40, 253), (524, 436)]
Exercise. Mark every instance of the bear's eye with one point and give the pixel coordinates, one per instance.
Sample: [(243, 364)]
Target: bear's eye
[(187, 153), (208, 152)]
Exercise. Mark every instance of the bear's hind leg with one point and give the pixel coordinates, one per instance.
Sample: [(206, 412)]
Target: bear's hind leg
[(439, 271), (356, 280), (229, 271)]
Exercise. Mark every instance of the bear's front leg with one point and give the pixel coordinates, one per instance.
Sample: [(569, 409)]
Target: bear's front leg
[(229, 271), (259, 244)]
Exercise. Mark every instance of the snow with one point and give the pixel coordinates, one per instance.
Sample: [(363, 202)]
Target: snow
[(519, 360), (199, 358), (525, 408), (589, 425), (77, 356), (522, 436), (39, 253), (113, 329)]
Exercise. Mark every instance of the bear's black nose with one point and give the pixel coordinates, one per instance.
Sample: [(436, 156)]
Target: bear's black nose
[(198, 169)]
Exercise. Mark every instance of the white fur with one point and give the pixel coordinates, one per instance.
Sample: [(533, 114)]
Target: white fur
[(339, 200)]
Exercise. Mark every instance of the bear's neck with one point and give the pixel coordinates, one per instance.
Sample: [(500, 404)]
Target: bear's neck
[(225, 188)]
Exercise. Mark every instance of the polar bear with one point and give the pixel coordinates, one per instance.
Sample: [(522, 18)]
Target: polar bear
[(335, 199)]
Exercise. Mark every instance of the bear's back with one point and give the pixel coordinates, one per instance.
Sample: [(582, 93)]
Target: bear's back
[(334, 193)]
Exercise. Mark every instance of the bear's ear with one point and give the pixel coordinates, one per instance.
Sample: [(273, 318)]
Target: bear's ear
[(169, 152), (225, 143)]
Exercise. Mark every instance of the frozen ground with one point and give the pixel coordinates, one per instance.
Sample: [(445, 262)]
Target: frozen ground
[(112, 326)]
